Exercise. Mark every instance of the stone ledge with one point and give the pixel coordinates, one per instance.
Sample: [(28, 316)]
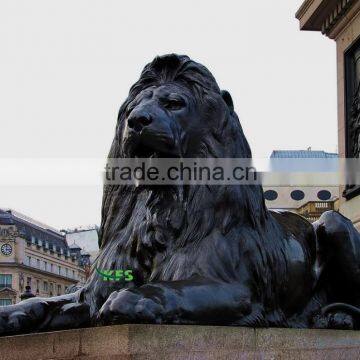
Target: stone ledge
[(182, 342)]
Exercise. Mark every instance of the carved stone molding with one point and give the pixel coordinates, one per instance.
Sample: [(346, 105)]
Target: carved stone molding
[(328, 16), (352, 109), (8, 234), (335, 15)]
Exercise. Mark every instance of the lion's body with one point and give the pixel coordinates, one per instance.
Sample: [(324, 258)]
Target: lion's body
[(188, 242), (270, 267)]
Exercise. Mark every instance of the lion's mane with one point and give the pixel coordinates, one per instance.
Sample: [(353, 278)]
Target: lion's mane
[(168, 233)]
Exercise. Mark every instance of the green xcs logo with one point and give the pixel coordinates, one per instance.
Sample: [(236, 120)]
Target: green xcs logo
[(115, 275)]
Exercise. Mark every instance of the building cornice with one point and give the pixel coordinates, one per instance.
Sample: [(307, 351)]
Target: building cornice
[(303, 8), (327, 16)]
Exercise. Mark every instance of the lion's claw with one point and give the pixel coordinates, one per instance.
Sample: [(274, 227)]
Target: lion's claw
[(126, 306), (339, 320)]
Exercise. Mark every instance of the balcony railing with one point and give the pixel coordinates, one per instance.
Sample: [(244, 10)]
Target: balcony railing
[(312, 210)]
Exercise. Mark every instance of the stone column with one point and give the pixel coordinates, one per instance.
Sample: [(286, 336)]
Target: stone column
[(340, 20)]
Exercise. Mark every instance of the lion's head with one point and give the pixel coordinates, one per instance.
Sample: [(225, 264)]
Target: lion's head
[(177, 109)]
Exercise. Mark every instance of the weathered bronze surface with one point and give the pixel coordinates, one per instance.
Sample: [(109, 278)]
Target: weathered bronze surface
[(201, 254)]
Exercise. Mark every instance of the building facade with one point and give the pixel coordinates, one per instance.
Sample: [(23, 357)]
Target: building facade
[(296, 198), (33, 254), (312, 210), (87, 238), (340, 20)]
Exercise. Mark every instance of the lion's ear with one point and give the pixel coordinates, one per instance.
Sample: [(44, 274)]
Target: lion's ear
[(228, 99)]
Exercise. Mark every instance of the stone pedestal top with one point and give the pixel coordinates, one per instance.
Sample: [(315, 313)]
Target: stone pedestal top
[(182, 342)]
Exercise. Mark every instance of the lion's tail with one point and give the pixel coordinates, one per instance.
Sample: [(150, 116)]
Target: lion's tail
[(347, 308)]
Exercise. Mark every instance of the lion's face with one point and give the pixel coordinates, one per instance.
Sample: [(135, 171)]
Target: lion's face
[(176, 109), (162, 121)]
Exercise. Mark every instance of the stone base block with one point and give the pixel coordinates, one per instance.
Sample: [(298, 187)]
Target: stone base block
[(182, 342)]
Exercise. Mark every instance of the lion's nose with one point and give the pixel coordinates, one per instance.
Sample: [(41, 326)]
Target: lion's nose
[(138, 122)]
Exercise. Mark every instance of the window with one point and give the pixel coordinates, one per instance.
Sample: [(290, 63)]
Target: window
[(46, 287), (51, 267), (29, 260), (297, 195), (67, 272), (45, 266), (37, 285), (4, 302), (38, 263), (28, 281), (324, 195), (271, 195), (51, 287), (73, 273), (59, 270), (5, 280), (59, 289)]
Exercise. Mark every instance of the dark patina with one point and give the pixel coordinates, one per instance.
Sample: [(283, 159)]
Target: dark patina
[(201, 254)]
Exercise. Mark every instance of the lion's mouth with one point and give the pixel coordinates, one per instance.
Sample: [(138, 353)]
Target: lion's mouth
[(149, 146), (152, 141), (161, 148), (144, 151)]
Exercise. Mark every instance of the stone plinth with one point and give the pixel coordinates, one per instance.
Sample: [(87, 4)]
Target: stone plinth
[(182, 342)]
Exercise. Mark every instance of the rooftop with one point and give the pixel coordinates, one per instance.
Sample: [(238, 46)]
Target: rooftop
[(302, 154), (28, 220), (33, 230), (6, 219)]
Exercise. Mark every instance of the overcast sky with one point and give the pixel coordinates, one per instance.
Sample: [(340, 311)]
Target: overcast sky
[(66, 67)]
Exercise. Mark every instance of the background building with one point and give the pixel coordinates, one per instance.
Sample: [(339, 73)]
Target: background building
[(308, 201), (36, 255), (86, 237), (340, 20)]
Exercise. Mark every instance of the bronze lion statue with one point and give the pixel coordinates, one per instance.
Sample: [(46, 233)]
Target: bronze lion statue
[(201, 254)]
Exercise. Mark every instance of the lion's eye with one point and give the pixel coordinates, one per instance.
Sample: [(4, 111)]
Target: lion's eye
[(174, 104)]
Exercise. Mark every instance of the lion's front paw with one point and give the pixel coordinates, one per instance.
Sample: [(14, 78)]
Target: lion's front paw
[(127, 306), (14, 320), (5, 327), (23, 317), (339, 320)]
